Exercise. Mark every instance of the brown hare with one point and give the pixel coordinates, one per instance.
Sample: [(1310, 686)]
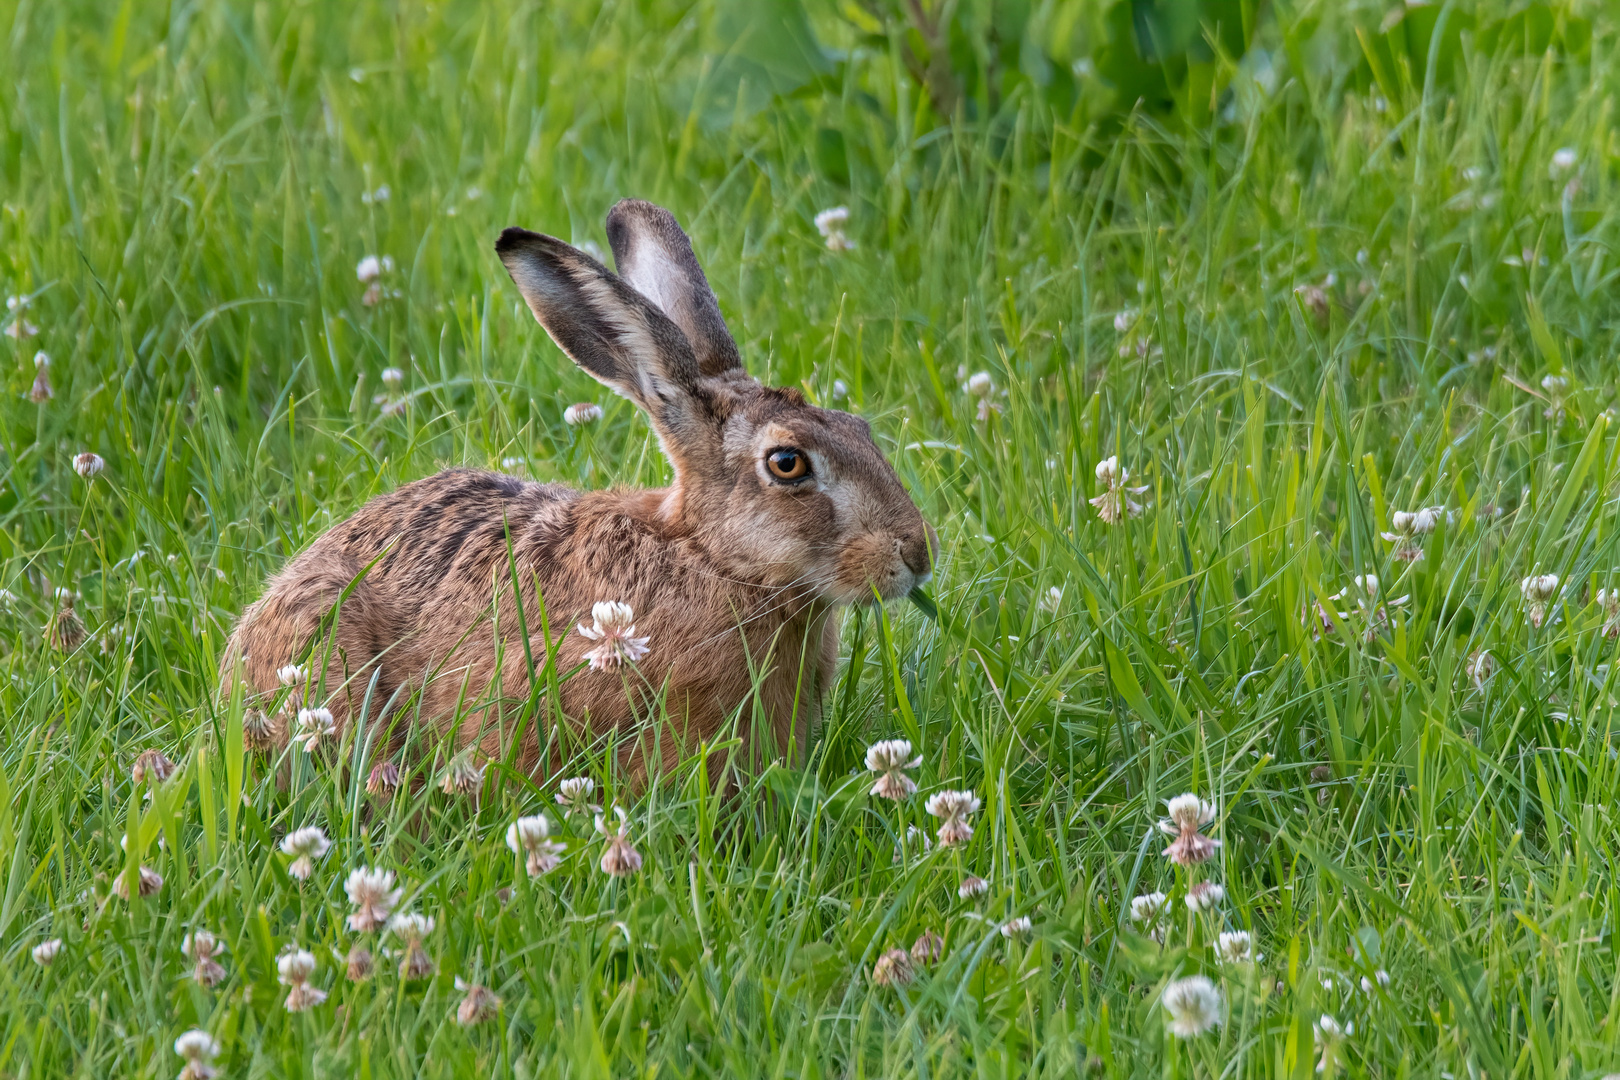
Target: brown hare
[(686, 601)]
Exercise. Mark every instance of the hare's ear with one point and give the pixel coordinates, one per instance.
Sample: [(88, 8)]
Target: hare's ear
[(608, 328), (655, 257)]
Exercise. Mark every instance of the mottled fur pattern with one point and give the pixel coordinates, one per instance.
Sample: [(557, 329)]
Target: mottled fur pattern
[(735, 575)]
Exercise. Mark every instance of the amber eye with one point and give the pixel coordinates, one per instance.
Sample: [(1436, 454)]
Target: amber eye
[(787, 463)]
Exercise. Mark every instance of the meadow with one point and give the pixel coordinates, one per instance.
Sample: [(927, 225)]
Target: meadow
[(1265, 408)]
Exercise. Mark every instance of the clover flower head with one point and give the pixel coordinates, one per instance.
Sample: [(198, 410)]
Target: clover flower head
[(619, 858), (293, 969), (582, 413), (953, 808), (197, 1049), (531, 837), (1147, 907), (374, 898), (413, 929), (462, 776), (313, 726), (1194, 1005), (478, 1005), (46, 952), (305, 846), (889, 759), (1205, 896), (1235, 947), (1187, 815), (972, 887), (613, 629), (892, 969), (383, 780), (574, 796)]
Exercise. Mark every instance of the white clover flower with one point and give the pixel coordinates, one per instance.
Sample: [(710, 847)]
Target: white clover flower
[(889, 759), (619, 858), (88, 465), (383, 780), (259, 729), (368, 269), (953, 808), (1123, 319), (981, 386), (1146, 908), (840, 390), (313, 726), (46, 952), (613, 628), (412, 929), (1379, 978), (1194, 1005), (927, 949), (1188, 814), (915, 841), (1052, 601), (1409, 526), (148, 881), (531, 837), (1205, 896), (972, 887), (150, 763), (1609, 601), (198, 1049), (1563, 160), (462, 776), (305, 845), (374, 898), (830, 224), (574, 796), (290, 674), (1537, 590), (1235, 947), (393, 378), (1115, 504), (1018, 926), (479, 1004), (893, 968), (581, 413), (294, 967), (359, 964), (202, 948), (832, 218), (1330, 1038)]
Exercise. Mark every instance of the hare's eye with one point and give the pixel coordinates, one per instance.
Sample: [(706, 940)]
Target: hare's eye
[(787, 463)]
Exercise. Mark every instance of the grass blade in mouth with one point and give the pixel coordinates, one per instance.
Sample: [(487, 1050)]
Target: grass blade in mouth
[(924, 602)]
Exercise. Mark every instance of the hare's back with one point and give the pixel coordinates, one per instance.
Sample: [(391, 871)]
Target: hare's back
[(452, 528)]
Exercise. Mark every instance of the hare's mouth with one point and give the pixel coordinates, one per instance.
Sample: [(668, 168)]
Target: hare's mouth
[(874, 569)]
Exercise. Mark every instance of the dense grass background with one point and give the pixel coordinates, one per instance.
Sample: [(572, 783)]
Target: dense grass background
[(1331, 297)]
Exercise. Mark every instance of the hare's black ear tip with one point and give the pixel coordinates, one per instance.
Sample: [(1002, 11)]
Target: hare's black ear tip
[(515, 239), (640, 211)]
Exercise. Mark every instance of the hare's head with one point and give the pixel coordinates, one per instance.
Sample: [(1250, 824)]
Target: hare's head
[(776, 490)]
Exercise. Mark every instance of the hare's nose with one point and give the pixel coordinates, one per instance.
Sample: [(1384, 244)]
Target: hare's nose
[(917, 549)]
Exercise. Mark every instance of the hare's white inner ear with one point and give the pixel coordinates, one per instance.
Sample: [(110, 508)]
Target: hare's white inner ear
[(655, 258)]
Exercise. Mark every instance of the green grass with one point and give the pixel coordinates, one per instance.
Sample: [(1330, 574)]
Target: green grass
[(184, 199)]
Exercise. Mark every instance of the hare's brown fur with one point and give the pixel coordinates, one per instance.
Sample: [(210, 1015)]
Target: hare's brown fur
[(734, 577)]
